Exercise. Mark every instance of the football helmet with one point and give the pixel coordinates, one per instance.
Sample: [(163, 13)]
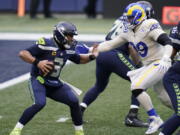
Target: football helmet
[(61, 32), (135, 14), (147, 6)]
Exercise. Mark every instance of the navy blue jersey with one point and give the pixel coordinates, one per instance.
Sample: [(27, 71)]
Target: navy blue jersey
[(46, 49), (175, 37), (81, 48)]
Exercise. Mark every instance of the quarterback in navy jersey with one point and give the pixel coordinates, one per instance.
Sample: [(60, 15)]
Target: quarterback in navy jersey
[(117, 61), (48, 57), (171, 83)]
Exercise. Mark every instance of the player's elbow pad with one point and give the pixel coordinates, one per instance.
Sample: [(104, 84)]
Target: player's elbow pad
[(163, 39)]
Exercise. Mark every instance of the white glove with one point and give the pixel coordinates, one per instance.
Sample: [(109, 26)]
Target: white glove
[(164, 64)]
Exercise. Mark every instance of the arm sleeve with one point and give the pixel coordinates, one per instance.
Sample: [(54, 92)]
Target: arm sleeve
[(154, 34), (35, 50), (111, 44), (75, 58), (82, 49)]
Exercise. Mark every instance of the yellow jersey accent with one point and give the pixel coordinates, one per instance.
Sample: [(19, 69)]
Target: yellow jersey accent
[(41, 41), (40, 79), (53, 53)]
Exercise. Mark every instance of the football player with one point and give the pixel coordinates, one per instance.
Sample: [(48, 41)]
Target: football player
[(48, 56), (154, 48), (110, 62), (171, 82)]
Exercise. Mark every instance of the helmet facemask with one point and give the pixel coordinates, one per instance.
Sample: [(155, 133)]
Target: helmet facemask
[(135, 15), (63, 35)]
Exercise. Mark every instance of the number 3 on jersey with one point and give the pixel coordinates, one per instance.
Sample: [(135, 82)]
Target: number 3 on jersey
[(141, 48)]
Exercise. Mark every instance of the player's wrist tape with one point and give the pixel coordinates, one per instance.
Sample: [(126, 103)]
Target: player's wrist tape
[(92, 57), (36, 61)]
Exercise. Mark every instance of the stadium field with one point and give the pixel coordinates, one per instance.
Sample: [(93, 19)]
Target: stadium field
[(104, 117)]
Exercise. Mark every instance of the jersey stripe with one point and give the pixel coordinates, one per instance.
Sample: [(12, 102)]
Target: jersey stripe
[(47, 48)]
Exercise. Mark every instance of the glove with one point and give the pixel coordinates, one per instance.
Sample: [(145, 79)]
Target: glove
[(164, 64)]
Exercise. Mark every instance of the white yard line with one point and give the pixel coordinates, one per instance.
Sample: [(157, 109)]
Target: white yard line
[(14, 81), (31, 36), (63, 119)]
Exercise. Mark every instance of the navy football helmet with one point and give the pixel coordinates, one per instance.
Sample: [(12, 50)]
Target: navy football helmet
[(60, 33), (148, 8)]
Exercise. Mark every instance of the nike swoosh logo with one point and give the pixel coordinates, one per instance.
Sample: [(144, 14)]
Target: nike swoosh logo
[(130, 121)]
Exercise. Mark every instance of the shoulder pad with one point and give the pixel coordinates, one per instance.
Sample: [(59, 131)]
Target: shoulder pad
[(41, 41), (152, 24)]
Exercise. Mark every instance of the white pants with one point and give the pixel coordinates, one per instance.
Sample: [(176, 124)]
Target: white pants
[(149, 76), (145, 77)]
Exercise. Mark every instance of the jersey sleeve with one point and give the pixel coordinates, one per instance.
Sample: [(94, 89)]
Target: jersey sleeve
[(154, 29), (82, 49), (112, 44), (75, 58)]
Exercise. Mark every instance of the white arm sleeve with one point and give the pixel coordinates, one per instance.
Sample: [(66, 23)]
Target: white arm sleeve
[(155, 34), (168, 51), (111, 44)]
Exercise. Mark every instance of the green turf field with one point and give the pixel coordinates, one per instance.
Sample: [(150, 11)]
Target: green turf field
[(12, 23), (105, 116)]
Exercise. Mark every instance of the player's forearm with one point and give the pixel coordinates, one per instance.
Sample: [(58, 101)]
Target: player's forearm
[(168, 51), (85, 58), (26, 56), (111, 44)]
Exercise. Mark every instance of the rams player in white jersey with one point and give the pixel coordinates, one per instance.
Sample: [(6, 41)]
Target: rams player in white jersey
[(154, 48)]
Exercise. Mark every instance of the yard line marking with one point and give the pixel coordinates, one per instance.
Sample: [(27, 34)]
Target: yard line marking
[(63, 119), (32, 36), (14, 81)]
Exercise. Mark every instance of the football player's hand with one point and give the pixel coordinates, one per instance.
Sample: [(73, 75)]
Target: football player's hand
[(95, 51), (164, 64), (45, 66)]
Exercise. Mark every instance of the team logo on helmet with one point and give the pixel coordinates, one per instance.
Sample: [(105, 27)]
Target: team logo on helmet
[(135, 14)]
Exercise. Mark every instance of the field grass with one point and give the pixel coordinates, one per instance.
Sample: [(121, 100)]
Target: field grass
[(12, 23), (105, 116)]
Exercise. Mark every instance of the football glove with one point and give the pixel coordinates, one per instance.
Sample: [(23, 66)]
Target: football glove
[(164, 64)]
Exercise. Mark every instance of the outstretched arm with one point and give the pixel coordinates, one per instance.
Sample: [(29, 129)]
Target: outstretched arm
[(85, 58), (111, 44)]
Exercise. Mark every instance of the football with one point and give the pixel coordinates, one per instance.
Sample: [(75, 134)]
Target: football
[(50, 71)]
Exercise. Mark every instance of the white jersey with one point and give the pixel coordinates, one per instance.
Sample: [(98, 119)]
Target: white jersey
[(143, 39)]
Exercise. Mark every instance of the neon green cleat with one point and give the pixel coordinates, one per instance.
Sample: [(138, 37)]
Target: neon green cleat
[(79, 132), (16, 131)]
